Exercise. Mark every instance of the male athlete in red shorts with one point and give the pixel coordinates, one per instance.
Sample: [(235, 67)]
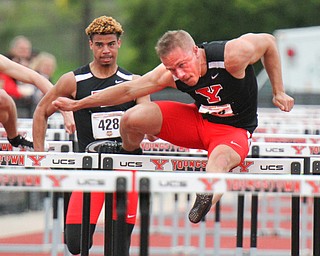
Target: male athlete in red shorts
[(219, 76), (92, 123)]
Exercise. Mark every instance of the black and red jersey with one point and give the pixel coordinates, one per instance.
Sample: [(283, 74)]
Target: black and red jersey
[(219, 96)]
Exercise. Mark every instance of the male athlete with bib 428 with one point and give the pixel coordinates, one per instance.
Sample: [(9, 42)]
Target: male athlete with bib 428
[(91, 123), (219, 76)]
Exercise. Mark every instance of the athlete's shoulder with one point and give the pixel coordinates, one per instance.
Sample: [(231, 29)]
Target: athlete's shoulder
[(82, 73), (124, 74), (82, 70), (214, 50)]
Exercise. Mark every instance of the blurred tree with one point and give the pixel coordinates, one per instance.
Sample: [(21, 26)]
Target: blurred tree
[(57, 26), (145, 21)]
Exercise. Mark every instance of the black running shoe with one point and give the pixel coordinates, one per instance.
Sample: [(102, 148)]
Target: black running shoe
[(104, 146), (137, 151), (201, 207), (110, 147), (21, 142)]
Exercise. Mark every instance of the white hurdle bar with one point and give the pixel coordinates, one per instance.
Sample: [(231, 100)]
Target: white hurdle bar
[(286, 138), (73, 160), (268, 145), (199, 182)]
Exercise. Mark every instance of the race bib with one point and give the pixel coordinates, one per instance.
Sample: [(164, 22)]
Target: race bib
[(106, 124), (221, 111)]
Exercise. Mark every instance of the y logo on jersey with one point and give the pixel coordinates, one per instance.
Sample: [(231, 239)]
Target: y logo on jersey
[(211, 93)]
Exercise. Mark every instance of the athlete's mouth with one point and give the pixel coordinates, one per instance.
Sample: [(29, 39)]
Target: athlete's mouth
[(106, 57)]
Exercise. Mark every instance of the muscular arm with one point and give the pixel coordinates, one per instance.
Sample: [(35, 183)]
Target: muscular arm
[(250, 48), (142, 99), (24, 74), (65, 87), (154, 81)]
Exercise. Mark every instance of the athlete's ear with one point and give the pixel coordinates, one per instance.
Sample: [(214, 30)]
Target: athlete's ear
[(196, 50), (90, 44), (119, 42)]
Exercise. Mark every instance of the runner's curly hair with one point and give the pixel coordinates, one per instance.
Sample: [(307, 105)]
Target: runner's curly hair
[(104, 25)]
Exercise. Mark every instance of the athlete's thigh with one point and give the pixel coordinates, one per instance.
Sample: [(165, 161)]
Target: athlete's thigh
[(74, 212), (236, 139), (144, 117), (180, 124)]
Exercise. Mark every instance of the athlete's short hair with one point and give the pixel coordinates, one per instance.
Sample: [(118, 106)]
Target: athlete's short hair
[(104, 25), (174, 39)]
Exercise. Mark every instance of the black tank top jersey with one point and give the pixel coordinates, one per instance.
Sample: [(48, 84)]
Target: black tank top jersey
[(87, 83), (221, 88)]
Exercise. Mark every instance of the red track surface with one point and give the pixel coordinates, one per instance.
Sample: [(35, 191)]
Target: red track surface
[(264, 242), (271, 242)]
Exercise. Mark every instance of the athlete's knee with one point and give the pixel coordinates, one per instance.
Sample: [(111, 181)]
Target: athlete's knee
[(222, 159), (126, 240), (6, 102), (146, 117), (73, 237), (132, 118)]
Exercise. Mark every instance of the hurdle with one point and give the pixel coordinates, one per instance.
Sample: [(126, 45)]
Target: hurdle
[(160, 182), (54, 160), (164, 163), (300, 120), (259, 149), (131, 164), (285, 138)]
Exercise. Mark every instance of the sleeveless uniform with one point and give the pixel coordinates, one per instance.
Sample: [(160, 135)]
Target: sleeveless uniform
[(87, 84), (93, 124), (224, 112)]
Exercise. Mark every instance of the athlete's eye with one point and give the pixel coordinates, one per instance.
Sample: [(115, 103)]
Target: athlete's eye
[(112, 44)]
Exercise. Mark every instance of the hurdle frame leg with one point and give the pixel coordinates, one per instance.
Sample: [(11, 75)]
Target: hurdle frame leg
[(108, 227), (144, 203), (240, 220), (254, 225), (316, 214), (121, 229), (85, 225)]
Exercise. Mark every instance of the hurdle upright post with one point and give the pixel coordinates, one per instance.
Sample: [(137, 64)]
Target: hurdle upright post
[(217, 226), (295, 215), (316, 213), (85, 225), (121, 207), (240, 220), (144, 203), (108, 227), (254, 212)]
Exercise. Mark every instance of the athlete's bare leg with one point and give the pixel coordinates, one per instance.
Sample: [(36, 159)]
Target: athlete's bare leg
[(144, 118), (8, 114), (222, 159)]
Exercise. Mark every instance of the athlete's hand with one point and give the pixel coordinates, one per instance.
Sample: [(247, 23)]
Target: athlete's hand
[(151, 137), (283, 101), (69, 123), (64, 104)]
